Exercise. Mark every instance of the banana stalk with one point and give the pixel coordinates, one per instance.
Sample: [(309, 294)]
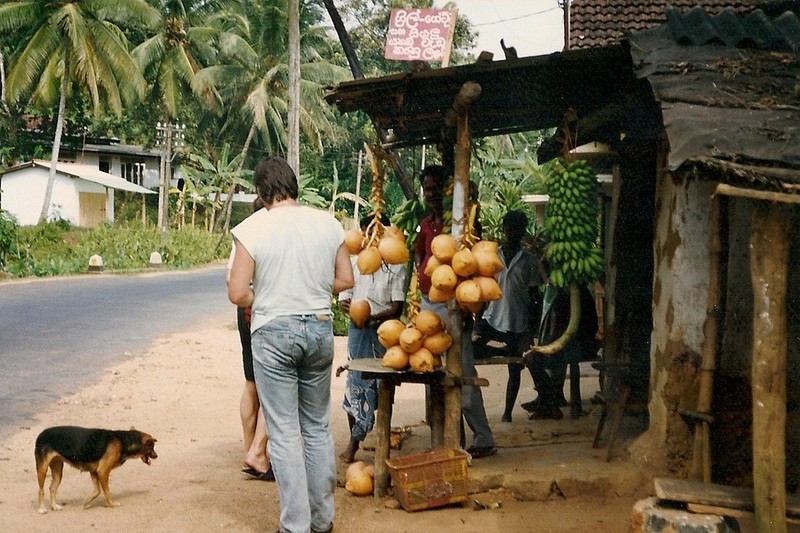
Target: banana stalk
[(574, 321)]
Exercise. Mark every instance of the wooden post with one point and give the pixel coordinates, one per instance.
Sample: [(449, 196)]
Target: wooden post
[(452, 397), (701, 458), (769, 253)]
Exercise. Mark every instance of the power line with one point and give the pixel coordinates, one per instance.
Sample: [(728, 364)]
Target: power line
[(535, 13)]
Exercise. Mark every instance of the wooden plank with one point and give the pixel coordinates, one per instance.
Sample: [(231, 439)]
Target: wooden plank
[(725, 511), (714, 494), (499, 360)]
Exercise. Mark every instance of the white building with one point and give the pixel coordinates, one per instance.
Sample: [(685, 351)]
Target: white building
[(82, 194)]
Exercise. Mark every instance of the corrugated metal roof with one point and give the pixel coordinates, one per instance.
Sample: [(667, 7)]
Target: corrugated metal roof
[(601, 22), (87, 173), (725, 107), (754, 30)]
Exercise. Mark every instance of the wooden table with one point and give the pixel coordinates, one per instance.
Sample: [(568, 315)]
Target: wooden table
[(389, 379)]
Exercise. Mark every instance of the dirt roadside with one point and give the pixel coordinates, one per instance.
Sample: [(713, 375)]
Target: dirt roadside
[(185, 391)]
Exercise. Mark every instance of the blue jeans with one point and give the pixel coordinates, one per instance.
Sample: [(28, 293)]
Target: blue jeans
[(472, 408), (292, 359)]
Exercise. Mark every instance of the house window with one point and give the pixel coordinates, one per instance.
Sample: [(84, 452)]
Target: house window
[(133, 171), (104, 165)]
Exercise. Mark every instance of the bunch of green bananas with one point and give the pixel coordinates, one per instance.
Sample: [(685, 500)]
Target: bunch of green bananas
[(408, 216), (572, 225)]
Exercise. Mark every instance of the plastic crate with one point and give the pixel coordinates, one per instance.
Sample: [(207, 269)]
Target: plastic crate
[(429, 479)]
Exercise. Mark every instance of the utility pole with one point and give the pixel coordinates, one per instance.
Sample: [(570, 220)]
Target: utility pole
[(168, 136)]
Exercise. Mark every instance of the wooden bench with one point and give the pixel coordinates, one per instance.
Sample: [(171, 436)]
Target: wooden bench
[(712, 498), (494, 353)]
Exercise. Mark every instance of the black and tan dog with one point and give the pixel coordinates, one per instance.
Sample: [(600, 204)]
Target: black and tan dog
[(97, 451)]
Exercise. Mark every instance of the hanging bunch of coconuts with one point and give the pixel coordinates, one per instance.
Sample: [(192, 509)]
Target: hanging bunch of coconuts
[(464, 271), (377, 244), (418, 345)]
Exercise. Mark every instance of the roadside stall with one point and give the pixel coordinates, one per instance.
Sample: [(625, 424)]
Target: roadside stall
[(448, 108)]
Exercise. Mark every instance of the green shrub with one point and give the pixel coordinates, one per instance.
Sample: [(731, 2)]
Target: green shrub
[(9, 234), (51, 249)]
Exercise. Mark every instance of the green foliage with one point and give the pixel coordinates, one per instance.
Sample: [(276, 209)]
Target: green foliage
[(340, 320), (9, 233), (50, 249), (506, 171)]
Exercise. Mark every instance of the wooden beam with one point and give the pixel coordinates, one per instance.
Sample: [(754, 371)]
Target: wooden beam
[(753, 194), (769, 255)]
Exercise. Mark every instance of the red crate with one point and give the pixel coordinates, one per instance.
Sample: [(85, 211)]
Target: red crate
[(429, 479)]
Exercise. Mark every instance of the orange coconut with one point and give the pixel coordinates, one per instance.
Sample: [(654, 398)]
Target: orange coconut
[(439, 296), (393, 250), (468, 291), (443, 247), (485, 246), (431, 265), (444, 278), (411, 339), (490, 289), (438, 343), (354, 240), (421, 360), (360, 312), (395, 358), (369, 260), (488, 263), (428, 322), (389, 332), (464, 263)]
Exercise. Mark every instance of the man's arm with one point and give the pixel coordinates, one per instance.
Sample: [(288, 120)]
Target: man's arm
[(343, 271), (240, 276)]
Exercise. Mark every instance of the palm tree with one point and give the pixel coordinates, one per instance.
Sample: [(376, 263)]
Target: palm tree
[(183, 45), (73, 42), (254, 83)]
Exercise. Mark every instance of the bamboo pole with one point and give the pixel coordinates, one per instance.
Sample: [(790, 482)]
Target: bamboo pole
[(769, 254), (701, 458)]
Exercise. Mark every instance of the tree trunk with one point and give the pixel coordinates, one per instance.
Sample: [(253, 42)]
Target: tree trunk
[(769, 255), (293, 149), (344, 38), (62, 106), (355, 67), (3, 84), (228, 209)]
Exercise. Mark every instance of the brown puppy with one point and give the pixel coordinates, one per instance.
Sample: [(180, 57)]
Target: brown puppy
[(97, 451)]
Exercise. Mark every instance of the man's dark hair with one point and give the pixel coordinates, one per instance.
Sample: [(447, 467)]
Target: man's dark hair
[(366, 219), (275, 180), (437, 172), (516, 221)]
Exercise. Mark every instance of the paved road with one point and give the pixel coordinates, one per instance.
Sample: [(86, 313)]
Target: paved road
[(57, 335)]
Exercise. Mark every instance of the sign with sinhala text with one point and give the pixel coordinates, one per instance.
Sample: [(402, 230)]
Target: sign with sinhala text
[(420, 35)]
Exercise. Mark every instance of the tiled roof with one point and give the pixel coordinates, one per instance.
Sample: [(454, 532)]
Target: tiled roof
[(601, 22)]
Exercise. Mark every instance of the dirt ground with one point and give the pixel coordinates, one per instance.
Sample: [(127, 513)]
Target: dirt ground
[(185, 391)]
